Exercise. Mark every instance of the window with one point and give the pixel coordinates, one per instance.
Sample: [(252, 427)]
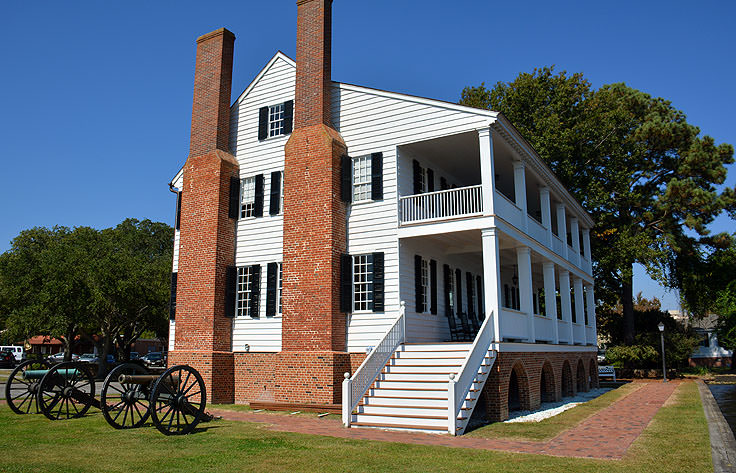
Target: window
[(361, 178), (423, 180), (245, 291), (248, 197), (362, 282), (275, 120), (451, 286), (280, 286), (425, 286)]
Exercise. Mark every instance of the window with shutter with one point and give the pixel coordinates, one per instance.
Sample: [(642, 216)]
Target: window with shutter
[(178, 210), (275, 120), (433, 285), (271, 288), (379, 299), (248, 290), (449, 291), (377, 176), (258, 197), (459, 290), (362, 182), (274, 204), (362, 283), (248, 197)]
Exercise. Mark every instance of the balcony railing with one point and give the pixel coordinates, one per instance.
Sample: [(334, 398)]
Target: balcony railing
[(441, 205)]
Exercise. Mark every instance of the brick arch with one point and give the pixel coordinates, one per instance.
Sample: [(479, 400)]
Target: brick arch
[(519, 396), (593, 373), (581, 377), (567, 387), (547, 384)]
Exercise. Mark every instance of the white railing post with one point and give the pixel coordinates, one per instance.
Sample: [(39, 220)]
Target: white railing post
[(439, 205), (402, 315), (346, 401), (451, 408)]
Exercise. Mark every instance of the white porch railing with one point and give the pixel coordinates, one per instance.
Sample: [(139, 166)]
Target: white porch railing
[(355, 387), (460, 384), (441, 205)]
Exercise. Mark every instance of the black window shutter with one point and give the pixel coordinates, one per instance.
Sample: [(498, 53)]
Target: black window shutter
[(262, 123), (231, 283), (418, 289), (377, 176), (271, 280), (172, 297), (178, 210), (417, 177), (379, 299), (447, 272), (433, 288), (458, 291), (430, 180), (258, 200), (443, 184), (234, 202), (274, 204), (506, 299), (469, 286), (288, 116), (479, 282), (346, 178), (346, 283), (255, 290)]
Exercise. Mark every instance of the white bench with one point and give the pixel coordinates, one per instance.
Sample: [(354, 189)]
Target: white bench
[(606, 371)]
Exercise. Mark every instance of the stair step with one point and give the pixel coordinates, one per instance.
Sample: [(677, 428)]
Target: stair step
[(413, 376), (439, 402), (411, 428), (410, 412), (414, 347), (436, 422)]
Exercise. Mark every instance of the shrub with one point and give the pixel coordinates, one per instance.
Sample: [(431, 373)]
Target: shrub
[(632, 356)]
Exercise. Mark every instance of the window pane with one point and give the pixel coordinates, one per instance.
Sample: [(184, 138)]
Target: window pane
[(244, 291), (276, 120), (248, 197), (361, 178), (362, 282)]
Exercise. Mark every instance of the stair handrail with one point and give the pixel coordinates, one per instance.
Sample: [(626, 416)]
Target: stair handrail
[(459, 385), (355, 387)]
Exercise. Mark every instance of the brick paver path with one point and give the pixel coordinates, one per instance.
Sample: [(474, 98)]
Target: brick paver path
[(606, 434)]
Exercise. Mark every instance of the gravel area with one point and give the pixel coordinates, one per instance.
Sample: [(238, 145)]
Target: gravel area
[(549, 409)]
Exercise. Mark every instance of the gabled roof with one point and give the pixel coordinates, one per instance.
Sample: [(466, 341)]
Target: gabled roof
[(276, 57)]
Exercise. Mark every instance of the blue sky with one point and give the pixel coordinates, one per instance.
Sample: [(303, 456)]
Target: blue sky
[(96, 96)]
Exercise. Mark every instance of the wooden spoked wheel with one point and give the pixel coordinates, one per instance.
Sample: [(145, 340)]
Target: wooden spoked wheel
[(178, 400), (66, 391), (21, 389), (125, 405)]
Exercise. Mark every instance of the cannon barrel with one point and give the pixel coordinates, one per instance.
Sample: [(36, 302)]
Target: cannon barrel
[(38, 374), (143, 379)]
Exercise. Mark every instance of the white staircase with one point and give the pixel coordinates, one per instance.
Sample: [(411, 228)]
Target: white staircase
[(411, 391)]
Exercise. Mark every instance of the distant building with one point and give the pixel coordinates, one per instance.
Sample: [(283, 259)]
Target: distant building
[(708, 353)]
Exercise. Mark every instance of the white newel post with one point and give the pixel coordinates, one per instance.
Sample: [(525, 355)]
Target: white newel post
[(579, 305), (575, 240), (524, 260), (451, 408), (487, 176), (566, 303), (520, 191), (550, 297), (546, 213), (591, 314), (346, 401), (562, 228), (491, 278)]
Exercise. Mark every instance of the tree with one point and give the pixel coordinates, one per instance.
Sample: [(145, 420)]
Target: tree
[(726, 326), (647, 177)]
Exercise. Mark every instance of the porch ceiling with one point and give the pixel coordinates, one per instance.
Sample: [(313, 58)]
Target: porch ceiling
[(458, 154)]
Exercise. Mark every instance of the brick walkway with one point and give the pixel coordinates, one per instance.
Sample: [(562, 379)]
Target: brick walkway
[(606, 434)]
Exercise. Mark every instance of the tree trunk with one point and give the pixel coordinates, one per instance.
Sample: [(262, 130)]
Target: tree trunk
[(68, 345), (103, 369), (627, 301)]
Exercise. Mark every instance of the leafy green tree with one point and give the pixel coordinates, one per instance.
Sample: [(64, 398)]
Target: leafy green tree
[(726, 327), (648, 178)]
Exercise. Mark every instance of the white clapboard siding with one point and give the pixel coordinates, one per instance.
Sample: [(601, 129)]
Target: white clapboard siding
[(172, 334), (175, 266), (260, 240)]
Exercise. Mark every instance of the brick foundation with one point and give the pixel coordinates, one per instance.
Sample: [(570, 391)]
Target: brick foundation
[(528, 368)]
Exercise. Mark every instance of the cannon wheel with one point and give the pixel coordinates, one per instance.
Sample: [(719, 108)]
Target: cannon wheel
[(125, 405), (21, 392), (67, 391), (178, 400)]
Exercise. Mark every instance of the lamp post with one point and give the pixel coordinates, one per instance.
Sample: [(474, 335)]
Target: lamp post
[(661, 336)]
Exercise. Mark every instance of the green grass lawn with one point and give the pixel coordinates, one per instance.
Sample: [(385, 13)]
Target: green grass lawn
[(552, 426), (676, 441)]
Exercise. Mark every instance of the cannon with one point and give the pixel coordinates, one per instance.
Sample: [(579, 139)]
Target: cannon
[(175, 401)]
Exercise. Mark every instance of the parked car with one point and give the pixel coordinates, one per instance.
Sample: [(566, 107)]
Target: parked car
[(601, 356), (92, 358), (134, 356), (59, 357), (154, 359), (16, 350), (7, 359)]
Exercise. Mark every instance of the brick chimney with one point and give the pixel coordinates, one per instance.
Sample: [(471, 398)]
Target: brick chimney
[(314, 215), (207, 235)]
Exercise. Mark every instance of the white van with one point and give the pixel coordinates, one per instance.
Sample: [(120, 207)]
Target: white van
[(16, 350)]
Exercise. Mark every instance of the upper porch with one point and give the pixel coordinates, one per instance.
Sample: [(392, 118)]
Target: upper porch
[(460, 182)]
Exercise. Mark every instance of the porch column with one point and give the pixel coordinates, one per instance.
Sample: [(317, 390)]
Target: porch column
[(591, 314), (574, 230), (562, 228), (546, 213), (550, 299), (520, 191), (579, 305), (491, 278), (526, 293), (586, 250), (565, 299), (488, 184)]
